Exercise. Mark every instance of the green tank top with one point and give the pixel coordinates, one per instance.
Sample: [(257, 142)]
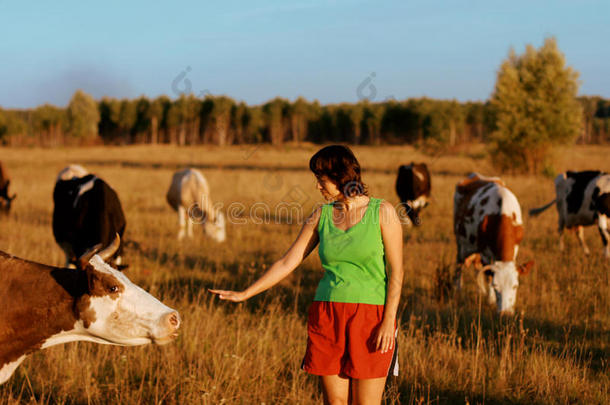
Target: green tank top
[(353, 260)]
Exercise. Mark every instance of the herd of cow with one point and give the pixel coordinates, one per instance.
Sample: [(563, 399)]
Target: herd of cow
[(89, 299), (488, 225)]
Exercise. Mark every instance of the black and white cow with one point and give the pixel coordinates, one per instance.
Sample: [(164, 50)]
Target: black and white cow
[(582, 199), (413, 188), (87, 212)]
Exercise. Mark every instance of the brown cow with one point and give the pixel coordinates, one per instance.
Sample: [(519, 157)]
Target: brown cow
[(488, 228), (5, 200), (42, 306), (413, 188)]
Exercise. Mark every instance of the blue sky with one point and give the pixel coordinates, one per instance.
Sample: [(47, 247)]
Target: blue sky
[(254, 51)]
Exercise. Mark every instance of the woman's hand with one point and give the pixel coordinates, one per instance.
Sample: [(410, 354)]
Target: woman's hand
[(385, 336), (235, 296)]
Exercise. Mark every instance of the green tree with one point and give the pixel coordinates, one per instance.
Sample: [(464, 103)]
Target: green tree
[(221, 120), (276, 117), (298, 119), (373, 116), (83, 116), (536, 107), (48, 123)]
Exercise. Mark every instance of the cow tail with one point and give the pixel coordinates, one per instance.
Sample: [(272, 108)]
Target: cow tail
[(535, 211)]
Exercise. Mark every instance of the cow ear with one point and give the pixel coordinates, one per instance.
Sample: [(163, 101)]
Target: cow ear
[(13, 197), (525, 268)]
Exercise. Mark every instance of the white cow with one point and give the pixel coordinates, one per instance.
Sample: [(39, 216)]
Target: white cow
[(189, 195)]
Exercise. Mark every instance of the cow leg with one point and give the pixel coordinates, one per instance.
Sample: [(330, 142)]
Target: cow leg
[(602, 225), (68, 252), (181, 221), (189, 227), (561, 244), (580, 233), (457, 277)]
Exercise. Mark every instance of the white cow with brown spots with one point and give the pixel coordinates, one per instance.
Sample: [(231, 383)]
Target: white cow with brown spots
[(189, 195), (488, 229), (43, 306)]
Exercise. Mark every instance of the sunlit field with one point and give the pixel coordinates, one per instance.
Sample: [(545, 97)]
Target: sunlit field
[(453, 348)]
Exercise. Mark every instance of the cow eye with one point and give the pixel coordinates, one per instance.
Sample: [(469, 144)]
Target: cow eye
[(113, 289)]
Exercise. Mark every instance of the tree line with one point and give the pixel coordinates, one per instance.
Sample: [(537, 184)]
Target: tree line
[(220, 120)]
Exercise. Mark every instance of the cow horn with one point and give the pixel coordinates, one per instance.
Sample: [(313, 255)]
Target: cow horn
[(481, 281), (110, 249), (104, 254), (85, 257)]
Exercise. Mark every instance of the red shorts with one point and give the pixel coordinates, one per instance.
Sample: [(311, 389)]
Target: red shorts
[(341, 339)]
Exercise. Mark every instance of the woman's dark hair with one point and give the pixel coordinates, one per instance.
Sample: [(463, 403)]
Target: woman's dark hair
[(338, 163)]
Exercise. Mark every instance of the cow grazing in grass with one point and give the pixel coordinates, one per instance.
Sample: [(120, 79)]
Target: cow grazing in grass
[(5, 200), (86, 212), (413, 188), (43, 306), (189, 195), (582, 199), (488, 229)]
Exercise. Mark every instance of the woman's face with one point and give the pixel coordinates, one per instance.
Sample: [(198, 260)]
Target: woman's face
[(328, 189)]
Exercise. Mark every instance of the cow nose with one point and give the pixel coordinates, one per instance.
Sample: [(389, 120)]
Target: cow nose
[(172, 320)]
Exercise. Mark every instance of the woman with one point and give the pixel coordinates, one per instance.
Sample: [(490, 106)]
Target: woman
[(352, 321)]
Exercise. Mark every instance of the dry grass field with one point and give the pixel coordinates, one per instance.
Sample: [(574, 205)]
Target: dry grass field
[(453, 348)]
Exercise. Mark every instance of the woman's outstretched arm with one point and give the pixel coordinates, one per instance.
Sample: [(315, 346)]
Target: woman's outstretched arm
[(305, 242), (391, 232)]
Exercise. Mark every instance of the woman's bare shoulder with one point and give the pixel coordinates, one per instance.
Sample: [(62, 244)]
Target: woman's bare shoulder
[(315, 215), (387, 212)]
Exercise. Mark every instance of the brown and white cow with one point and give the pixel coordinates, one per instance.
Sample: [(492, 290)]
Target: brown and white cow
[(488, 228), (189, 195), (5, 200), (582, 199), (413, 188), (43, 306)]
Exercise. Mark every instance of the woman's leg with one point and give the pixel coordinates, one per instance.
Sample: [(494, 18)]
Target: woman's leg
[(336, 389), (367, 391)]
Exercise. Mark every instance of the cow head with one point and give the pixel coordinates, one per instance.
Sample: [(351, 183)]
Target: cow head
[(5, 200), (504, 283), (216, 229), (116, 311), (413, 214)]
